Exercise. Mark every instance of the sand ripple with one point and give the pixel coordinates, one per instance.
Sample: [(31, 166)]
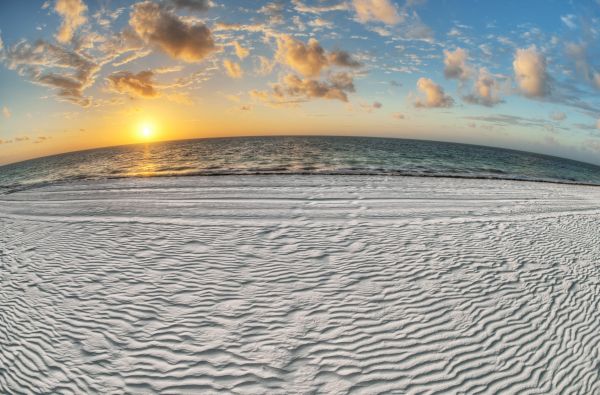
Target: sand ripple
[(300, 285)]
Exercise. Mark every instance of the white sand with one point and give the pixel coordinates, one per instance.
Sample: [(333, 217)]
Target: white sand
[(294, 285)]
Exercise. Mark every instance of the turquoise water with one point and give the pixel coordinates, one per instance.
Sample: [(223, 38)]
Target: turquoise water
[(296, 155)]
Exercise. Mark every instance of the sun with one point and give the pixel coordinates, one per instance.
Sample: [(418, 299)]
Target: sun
[(146, 131)]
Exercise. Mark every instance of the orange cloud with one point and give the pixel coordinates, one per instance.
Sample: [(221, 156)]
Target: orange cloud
[(233, 69), (240, 51), (72, 13), (311, 58), (434, 95), (137, 85), (376, 10)]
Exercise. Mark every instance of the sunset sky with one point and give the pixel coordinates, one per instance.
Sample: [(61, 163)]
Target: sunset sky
[(78, 74)]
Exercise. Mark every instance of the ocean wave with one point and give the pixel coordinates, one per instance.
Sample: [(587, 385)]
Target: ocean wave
[(8, 189), (318, 155)]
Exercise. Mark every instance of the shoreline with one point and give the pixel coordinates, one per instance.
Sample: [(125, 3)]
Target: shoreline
[(59, 183)]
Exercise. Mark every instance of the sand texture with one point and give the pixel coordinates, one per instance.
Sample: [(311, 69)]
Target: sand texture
[(300, 285)]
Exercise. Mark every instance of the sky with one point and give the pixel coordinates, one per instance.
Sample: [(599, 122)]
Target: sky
[(78, 74)]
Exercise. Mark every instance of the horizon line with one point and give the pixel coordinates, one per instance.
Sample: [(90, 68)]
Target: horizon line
[(294, 135)]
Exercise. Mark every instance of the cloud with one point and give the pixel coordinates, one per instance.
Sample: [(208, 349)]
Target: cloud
[(569, 20), (586, 126), (591, 145), (335, 88), (376, 10), (558, 116), (264, 66), (320, 8), (578, 53), (319, 23), (274, 11), (310, 59), (69, 72), (41, 139), (298, 23), (142, 85), (72, 13), (135, 85), (6, 112), (486, 90), (434, 95), (370, 107), (598, 124), (455, 64), (167, 70), (233, 69), (255, 27), (530, 72), (240, 51), (417, 30), (192, 5), (105, 17), (293, 89), (307, 59), (180, 38), (343, 58), (128, 43), (398, 115), (513, 120)]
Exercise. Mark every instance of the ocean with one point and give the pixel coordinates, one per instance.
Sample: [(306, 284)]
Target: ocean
[(296, 155)]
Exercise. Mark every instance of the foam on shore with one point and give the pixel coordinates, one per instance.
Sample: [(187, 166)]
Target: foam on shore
[(300, 284)]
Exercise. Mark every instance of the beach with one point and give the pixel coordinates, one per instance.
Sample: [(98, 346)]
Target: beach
[(300, 284)]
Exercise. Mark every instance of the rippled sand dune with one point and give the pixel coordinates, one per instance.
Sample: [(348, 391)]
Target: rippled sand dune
[(300, 285)]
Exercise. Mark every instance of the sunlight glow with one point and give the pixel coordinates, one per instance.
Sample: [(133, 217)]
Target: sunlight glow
[(146, 131)]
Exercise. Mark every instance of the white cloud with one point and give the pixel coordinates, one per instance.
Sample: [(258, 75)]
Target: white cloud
[(320, 23), (530, 72), (578, 53), (434, 95), (569, 20), (455, 64), (486, 90), (558, 116), (376, 10), (320, 8), (6, 112), (274, 11)]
